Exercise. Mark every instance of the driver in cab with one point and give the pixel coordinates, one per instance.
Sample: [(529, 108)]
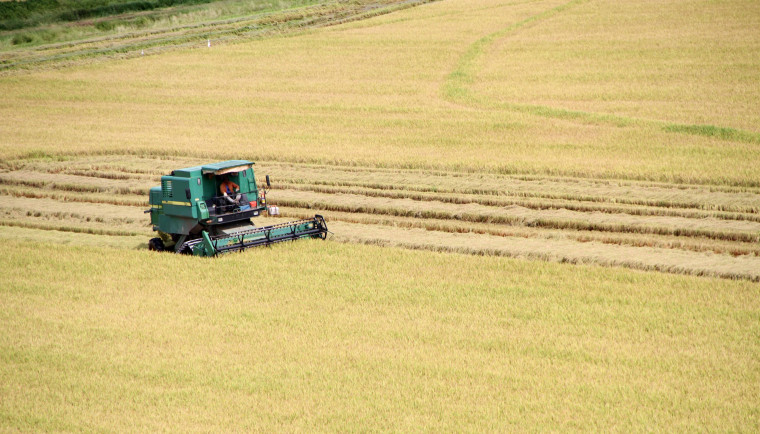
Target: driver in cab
[(228, 187)]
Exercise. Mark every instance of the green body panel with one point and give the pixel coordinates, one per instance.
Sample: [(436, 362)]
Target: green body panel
[(178, 196), (155, 205), (176, 225), (178, 206)]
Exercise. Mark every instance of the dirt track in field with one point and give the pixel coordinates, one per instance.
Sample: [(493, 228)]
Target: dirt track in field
[(691, 229)]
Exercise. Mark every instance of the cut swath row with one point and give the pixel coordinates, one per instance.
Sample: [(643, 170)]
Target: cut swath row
[(556, 219), (537, 204), (498, 211), (642, 258), (85, 184), (618, 192), (753, 206), (629, 239), (98, 198), (734, 206), (98, 191)]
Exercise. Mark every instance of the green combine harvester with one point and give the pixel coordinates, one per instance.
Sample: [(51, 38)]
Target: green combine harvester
[(207, 210)]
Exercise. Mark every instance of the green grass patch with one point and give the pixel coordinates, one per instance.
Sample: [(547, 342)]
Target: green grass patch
[(722, 133), (15, 15)]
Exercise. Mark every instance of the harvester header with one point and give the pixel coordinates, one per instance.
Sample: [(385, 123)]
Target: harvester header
[(206, 210)]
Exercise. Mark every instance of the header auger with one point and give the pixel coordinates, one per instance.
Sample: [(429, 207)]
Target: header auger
[(207, 210)]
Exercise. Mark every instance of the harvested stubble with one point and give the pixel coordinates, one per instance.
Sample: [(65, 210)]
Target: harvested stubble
[(629, 239), (660, 195), (74, 197), (642, 258), (499, 214), (82, 183), (732, 230), (576, 191), (537, 204)]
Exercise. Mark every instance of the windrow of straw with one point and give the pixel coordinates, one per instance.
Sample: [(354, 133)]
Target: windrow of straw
[(541, 194), (634, 240), (550, 223), (569, 204)]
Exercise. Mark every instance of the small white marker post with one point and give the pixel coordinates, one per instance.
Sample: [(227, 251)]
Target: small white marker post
[(142, 52), (209, 43)]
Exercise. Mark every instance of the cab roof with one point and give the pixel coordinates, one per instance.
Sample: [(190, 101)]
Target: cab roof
[(226, 167), (220, 168)]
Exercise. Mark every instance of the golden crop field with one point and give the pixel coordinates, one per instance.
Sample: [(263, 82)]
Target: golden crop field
[(544, 215), (336, 337)]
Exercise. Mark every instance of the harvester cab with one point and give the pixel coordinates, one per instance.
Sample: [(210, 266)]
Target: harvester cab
[(207, 210)]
